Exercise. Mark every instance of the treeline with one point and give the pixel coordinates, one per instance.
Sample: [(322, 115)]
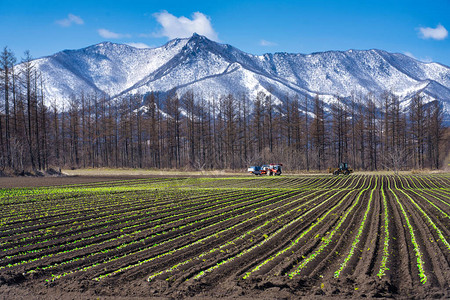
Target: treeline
[(227, 132)]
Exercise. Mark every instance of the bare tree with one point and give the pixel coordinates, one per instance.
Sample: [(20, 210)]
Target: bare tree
[(28, 68), (396, 158), (7, 60), (318, 132), (436, 132)]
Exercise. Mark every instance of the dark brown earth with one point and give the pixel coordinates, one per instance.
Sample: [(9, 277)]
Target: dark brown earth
[(32, 181), (22, 181), (43, 181), (200, 237)]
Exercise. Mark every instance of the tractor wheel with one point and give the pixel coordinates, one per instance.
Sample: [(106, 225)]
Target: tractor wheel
[(346, 172), (336, 172)]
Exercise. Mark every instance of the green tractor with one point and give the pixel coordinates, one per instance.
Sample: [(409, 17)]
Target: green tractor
[(343, 169)]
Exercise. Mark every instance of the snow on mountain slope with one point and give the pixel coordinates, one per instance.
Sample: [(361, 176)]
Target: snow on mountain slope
[(214, 69), (103, 68)]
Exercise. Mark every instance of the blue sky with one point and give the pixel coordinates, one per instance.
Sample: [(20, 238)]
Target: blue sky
[(417, 28)]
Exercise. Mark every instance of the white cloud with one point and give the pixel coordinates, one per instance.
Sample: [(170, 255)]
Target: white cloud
[(105, 33), (267, 43), (425, 60), (71, 19), (139, 45), (173, 27), (438, 33), (409, 54)]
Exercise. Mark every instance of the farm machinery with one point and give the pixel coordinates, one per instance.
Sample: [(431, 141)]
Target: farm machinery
[(271, 169), (342, 169)]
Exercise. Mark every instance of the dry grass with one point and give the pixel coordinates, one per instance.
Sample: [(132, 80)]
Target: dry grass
[(144, 172), (150, 172)]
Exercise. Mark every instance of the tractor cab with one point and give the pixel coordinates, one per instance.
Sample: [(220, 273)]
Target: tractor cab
[(343, 166)]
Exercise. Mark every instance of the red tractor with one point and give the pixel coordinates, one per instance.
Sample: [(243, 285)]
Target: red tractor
[(274, 169)]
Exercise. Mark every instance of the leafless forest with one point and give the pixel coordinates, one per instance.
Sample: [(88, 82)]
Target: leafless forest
[(229, 132)]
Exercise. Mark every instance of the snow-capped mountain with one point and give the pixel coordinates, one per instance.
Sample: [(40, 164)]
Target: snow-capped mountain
[(210, 68)]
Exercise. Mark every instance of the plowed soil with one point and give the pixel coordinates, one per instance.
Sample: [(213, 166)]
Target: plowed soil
[(284, 237)]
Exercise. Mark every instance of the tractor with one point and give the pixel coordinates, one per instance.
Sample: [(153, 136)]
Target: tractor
[(342, 169), (272, 169)]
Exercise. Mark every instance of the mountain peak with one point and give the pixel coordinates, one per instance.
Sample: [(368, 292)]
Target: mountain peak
[(107, 44), (197, 38), (197, 43), (104, 47)]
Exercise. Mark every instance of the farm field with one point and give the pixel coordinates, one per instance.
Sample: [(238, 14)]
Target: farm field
[(250, 237)]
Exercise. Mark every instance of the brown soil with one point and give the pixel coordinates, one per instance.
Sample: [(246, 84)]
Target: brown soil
[(19, 182), (31, 181), (199, 238)]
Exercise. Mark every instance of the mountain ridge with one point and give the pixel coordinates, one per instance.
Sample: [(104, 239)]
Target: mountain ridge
[(213, 69)]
